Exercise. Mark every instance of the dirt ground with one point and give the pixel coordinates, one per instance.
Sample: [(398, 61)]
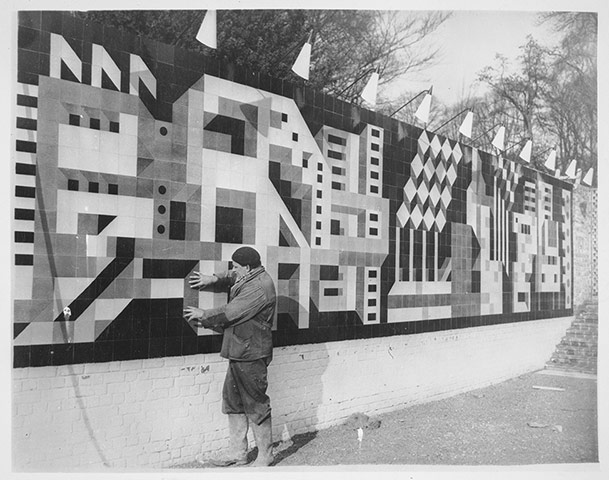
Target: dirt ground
[(511, 423)]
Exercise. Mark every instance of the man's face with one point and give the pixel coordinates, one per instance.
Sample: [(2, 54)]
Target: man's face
[(240, 270)]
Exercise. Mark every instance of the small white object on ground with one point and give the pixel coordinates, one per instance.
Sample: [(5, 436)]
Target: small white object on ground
[(555, 389), (537, 425)]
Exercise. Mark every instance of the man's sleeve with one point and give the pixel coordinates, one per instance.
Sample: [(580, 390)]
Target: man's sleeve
[(225, 279), (244, 306)]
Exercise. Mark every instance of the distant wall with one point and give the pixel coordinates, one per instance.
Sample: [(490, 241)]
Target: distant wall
[(585, 246)]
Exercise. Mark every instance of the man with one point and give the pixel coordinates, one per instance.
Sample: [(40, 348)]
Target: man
[(246, 323)]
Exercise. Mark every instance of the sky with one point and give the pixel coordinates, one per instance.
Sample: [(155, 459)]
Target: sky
[(468, 42)]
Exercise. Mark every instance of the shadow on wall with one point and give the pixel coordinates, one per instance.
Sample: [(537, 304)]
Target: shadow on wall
[(297, 392)]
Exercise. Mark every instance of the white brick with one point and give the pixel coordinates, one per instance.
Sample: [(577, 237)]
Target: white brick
[(155, 363), (131, 365), (174, 361), (29, 384), (105, 400), (43, 372), (118, 387), (131, 407), (159, 373), (162, 383), (90, 379), (118, 398), (92, 368), (188, 392), (71, 370), (25, 409), (184, 381), (113, 377), (143, 375), (158, 393), (20, 373), (27, 397)]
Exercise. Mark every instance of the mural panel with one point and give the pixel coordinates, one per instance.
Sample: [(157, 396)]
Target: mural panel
[(137, 163)]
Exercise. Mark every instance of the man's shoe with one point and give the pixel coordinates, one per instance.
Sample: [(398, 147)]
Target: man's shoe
[(227, 460), (237, 452), (264, 442)]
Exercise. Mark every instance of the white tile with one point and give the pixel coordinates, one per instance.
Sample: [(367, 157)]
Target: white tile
[(127, 144), (26, 135), (69, 136), (101, 58), (441, 311), (211, 104), (26, 112), (23, 225), (88, 138), (25, 180), (23, 248), (23, 278), (127, 206), (109, 142), (23, 157), (128, 124), (27, 89), (69, 157), (127, 165), (143, 227), (167, 288)]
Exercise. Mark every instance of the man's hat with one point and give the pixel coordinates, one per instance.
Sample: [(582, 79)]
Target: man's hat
[(247, 256)]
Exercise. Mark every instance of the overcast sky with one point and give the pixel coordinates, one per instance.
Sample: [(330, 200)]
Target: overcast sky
[(468, 42)]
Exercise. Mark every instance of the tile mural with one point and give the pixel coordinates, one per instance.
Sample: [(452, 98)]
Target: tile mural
[(137, 163)]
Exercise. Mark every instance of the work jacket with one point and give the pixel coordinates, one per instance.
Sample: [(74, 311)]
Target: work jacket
[(247, 319)]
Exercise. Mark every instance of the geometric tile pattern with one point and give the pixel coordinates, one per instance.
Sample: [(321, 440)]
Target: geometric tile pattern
[(137, 163), (508, 176), (427, 193)]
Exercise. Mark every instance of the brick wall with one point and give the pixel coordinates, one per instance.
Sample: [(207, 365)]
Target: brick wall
[(162, 412), (585, 250)]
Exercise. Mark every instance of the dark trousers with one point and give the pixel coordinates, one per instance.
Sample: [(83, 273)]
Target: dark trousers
[(244, 390)]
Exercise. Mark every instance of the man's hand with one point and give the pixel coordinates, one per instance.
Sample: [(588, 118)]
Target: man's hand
[(194, 316), (197, 280)]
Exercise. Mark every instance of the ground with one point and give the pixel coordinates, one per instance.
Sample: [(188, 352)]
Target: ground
[(511, 423)]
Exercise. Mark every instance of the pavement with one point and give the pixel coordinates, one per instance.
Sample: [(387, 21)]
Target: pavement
[(549, 417)]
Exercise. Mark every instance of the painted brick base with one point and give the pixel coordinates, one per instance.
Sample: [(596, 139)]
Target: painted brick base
[(162, 412)]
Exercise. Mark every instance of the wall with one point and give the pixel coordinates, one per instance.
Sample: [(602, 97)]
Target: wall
[(137, 163), (162, 412), (585, 246)]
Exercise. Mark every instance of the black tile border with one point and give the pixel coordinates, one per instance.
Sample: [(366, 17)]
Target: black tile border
[(158, 347)]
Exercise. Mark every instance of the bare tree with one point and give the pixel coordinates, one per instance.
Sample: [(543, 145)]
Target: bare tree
[(347, 44), (551, 96)]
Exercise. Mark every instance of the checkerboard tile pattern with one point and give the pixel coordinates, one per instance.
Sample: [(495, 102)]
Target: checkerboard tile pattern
[(137, 163)]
